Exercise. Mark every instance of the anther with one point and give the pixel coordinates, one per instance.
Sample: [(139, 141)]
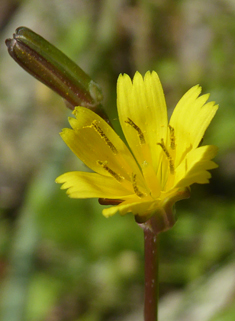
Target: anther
[(164, 148), (172, 167), (172, 137), (98, 129), (170, 160), (139, 131), (118, 177), (135, 187)]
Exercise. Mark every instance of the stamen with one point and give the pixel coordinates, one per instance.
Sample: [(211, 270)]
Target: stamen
[(172, 167), (170, 160), (118, 177), (140, 134), (103, 136), (164, 148), (135, 187), (172, 137)]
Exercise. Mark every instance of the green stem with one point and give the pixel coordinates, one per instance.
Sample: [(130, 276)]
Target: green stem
[(151, 275)]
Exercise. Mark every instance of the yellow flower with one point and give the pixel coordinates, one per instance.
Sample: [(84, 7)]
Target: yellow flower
[(163, 160)]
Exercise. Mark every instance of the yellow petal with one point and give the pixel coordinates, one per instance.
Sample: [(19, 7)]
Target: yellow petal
[(100, 148), (194, 169), (190, 119), (91, 185), (142, 102), (132, 206)]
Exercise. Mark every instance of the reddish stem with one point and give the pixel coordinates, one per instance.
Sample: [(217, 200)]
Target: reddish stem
[(151, 275)]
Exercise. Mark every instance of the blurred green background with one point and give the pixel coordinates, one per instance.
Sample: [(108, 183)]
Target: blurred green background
[(60, 259)]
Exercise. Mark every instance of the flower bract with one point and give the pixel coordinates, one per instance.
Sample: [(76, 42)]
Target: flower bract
[(162, 158)]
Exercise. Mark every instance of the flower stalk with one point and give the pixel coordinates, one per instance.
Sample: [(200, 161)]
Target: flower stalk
[(151, 248)]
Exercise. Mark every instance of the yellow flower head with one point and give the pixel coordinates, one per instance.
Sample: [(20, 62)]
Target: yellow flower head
[(162, 161)]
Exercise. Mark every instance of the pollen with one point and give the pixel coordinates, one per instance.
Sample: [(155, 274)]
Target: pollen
[(172, 137), (135, 187), (99, 130), (118, 177), (170, 160), (139, 131)]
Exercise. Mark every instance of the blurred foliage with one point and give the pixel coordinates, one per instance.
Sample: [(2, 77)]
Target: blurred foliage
[(60, 259)]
